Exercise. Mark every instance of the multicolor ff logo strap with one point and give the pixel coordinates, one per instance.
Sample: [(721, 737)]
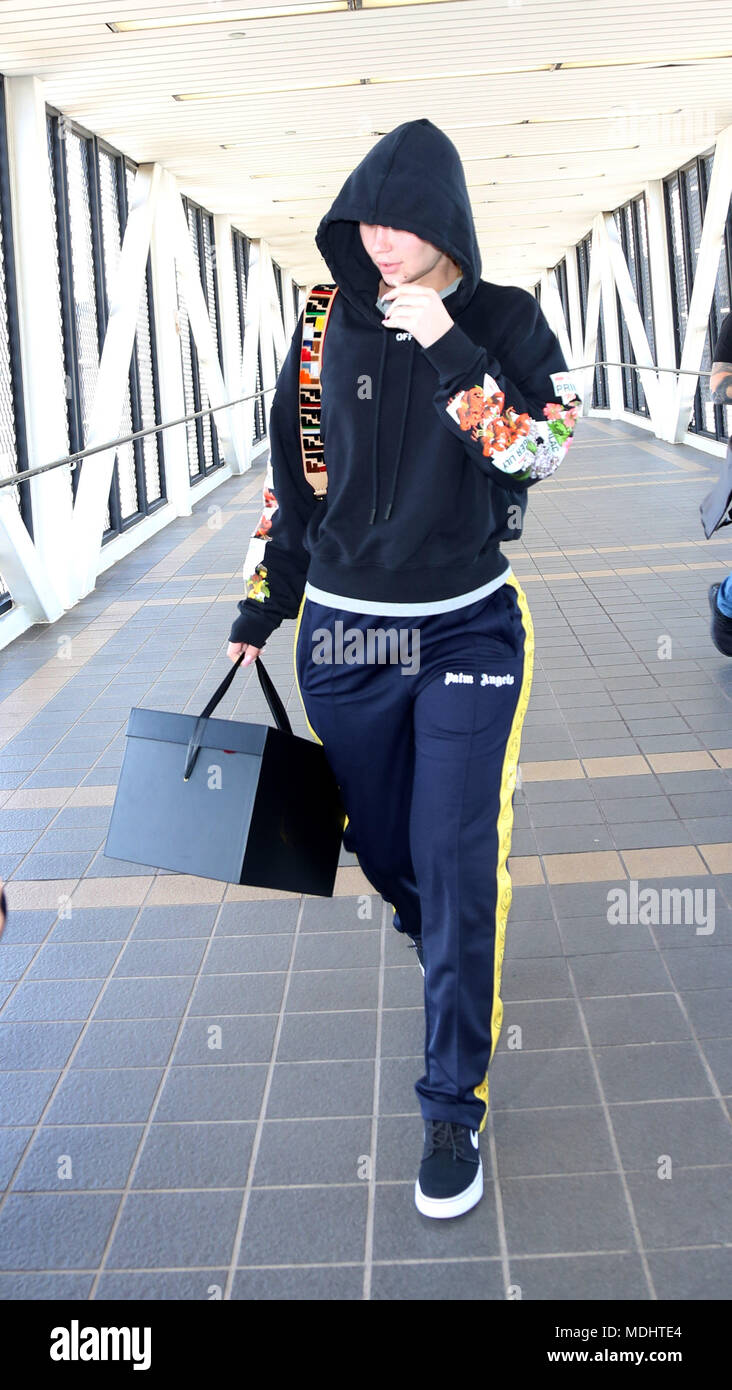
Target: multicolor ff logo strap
[(315, 321)]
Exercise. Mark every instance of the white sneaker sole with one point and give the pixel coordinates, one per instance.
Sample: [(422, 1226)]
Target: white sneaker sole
[(450, 1206)]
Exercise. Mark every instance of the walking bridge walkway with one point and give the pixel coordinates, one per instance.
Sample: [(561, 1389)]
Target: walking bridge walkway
[(137, 1162)]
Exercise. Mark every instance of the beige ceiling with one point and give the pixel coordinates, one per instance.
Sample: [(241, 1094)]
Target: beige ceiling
[(543, 151)]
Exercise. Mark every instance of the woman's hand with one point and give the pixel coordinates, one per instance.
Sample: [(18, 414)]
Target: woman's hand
[(235, 649), (419, 309)]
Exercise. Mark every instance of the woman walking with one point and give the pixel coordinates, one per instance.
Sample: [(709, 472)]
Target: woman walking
[(444, 398)]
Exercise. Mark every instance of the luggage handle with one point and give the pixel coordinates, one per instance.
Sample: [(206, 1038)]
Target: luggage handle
[(276, 709)]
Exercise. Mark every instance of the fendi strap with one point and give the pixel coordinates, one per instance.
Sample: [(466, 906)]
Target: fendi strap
[(315, 321)]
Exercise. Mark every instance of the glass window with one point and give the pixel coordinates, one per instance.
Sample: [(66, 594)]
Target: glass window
[(560, 273), (633, 231), (56, 308), (679, 292), (278, 284), (241, 268), (204, 454), (84, 304), (719, 417), (8, 439), (630, 399), (13, 454), (112, 241), (148, 405), (208, 249), (645, 300), (600, 399)]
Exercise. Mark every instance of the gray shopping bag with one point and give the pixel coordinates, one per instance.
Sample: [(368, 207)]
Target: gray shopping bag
[(225, 799), (716, 509)]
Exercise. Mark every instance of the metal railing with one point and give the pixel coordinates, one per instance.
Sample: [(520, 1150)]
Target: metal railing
[(677, 371), (70, 461)]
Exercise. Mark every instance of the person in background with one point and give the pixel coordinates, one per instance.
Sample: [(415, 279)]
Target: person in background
[(720, 594)]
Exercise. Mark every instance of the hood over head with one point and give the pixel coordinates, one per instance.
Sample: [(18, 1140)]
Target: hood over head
[(412, 180)]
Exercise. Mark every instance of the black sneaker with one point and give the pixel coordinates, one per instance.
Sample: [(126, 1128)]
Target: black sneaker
[(721, 625), (450, 1178)]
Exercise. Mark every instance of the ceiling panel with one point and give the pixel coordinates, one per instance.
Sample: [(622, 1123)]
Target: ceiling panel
[(543, 151)]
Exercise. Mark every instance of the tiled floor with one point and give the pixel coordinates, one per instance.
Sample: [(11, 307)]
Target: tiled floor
[(208, 1090)]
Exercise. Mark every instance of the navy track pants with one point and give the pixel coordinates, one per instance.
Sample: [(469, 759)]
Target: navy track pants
[(422, 730)]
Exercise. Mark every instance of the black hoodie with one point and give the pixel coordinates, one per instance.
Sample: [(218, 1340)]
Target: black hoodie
[(422, 484)]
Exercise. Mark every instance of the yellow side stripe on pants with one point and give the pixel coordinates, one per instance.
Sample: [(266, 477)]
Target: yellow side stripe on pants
[(297, 683), (505, 827), (294, 664)]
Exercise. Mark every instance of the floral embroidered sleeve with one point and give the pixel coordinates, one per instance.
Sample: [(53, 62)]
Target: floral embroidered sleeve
[(516, 417), (254, 571), (518, 445)]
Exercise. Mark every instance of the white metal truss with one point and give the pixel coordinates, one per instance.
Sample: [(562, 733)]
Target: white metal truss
[(662, 300), (290, 316), (22, 566), (153, 187), (270, 323), (36, 573), (50, 573), (705, 275), (610, 330), (105, 418), (169, 361), (575, 310), (592, 314), (551, 304), (670, 399), (274, 334), (577, 347), (208, 358), (613, 251), (275, 326), (230, 346)]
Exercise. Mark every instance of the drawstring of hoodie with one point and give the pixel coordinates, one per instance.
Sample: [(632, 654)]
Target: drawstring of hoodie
[(390, 503), (374, 455), (374, 451)]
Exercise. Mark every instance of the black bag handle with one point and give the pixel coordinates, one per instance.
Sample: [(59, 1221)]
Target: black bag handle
[(276, 709)]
